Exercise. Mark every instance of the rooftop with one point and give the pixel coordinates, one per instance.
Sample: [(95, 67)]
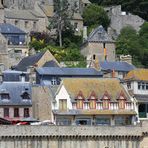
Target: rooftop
[(6, 28), (99, 35), (138, 74), (117, 66), (96, 85), (68, 71)]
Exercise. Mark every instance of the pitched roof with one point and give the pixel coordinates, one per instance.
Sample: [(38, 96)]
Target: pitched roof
[(28, 61), (77, 16), (138, 74), (117, 66), (98, 85), (68, 71), (86, 2), (47, 9), (51, 63), (20, 14), (15, 90), (99, 35), (10, 29)]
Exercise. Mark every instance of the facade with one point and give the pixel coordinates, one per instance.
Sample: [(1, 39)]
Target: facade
[(98, 44), (83, 101), (15, 96), (136, 83), (50, 76)]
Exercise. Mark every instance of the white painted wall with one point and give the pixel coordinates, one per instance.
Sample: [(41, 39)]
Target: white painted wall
[(62, 94)]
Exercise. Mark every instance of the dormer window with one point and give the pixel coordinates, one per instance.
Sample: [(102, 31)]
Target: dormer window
[(92, 99), (80, 100), (25, 96), (122, 100), (106, 99), (5, 96)]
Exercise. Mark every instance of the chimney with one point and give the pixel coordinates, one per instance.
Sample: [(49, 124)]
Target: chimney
[(22, 77), (84, 33), (113, 73)]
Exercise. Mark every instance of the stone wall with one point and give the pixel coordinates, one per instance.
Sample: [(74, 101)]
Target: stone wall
[(72, 137)]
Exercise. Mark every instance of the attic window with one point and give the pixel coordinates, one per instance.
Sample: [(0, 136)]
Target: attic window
[(5, 96), (25, 96)]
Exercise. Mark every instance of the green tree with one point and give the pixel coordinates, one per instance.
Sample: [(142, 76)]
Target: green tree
[(128, 43), (95, 15), (61, 20)]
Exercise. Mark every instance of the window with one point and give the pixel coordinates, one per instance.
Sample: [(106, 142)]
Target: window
[(121, 104), (16, 112), (102, 121), (5, 96), (6, 112), (80, 104), (83, 121), (94, 57), (26, 112), (75, 25), (146, 86), (16, 22), (34, 25), (139, 85), (142, 86), (63, 104), (53, 81), (25, 96), (92, 104), (26, 24), (63, 121), (129, 85), (121, 120)]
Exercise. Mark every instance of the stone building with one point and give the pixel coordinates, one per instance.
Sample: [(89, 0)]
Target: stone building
[(121, 19), (15, 100), (84, 101), (98, 44)]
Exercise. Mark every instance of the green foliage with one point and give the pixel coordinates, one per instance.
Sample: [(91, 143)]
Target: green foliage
[(95, 15), (135, 44)]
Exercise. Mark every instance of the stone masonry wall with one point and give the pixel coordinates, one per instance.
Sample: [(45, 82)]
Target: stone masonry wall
[(73, 137)]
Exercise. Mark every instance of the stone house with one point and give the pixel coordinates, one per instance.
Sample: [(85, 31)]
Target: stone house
[(15, 44), (136, 82), (98, 44), (84, 101), (15, 100)]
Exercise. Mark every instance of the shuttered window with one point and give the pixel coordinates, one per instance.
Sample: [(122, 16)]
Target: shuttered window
[(63, 104)]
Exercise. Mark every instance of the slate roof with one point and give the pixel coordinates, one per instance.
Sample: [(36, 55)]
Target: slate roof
[(28, 61), (68, 71), (141, 98), (12, 75), (15, 90), (97, 85), (21, 14), (117, 66), (99, 35), (6, 28), (51, 63), (138, 74), (47, 9)]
